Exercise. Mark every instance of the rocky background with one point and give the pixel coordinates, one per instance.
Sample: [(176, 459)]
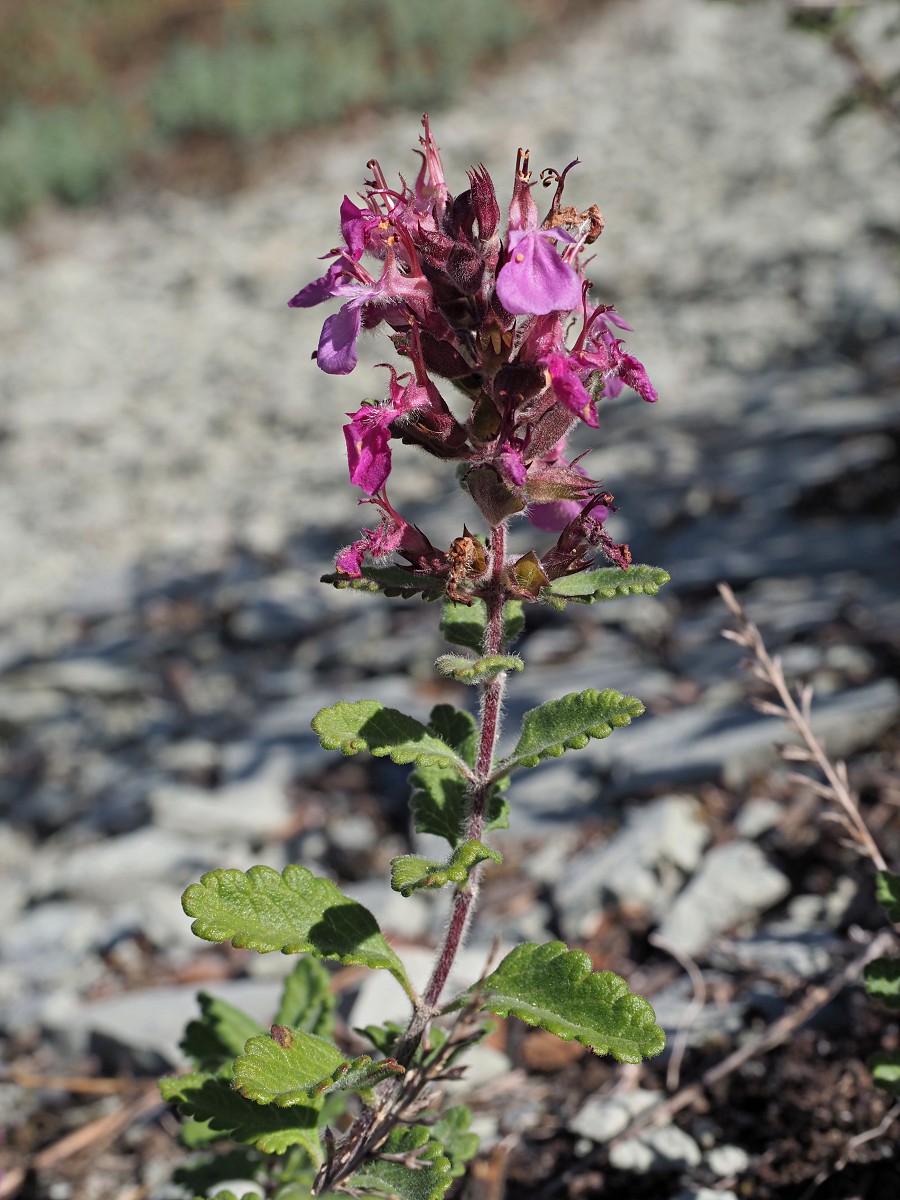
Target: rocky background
[(172, 486)]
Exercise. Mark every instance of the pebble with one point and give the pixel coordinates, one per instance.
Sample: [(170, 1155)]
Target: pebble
[(734, 883), (665, 1150), (727, 1160), (630, 866)]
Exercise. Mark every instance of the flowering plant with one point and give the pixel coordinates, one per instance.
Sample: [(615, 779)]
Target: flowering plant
[(504, 317)]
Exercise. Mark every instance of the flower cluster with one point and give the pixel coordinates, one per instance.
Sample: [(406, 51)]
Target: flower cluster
[(492, 312)]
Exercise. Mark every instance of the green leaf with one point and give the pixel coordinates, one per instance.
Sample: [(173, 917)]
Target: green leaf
[(294, 912), (428, 1179), (368, 725), (606, 583), (477, 670), (464, 625), (212, 1099), (383, 1037), (555, 988), (218, 1034), (439, 800), (885, 1068), (392, 581), (290, 1068), (411, 873), (452, 1131), (307, 1002), (882, 977), (439, 804), (568, 724), (887, 893)]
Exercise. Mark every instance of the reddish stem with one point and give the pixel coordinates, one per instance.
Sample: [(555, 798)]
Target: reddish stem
[(465, 896)]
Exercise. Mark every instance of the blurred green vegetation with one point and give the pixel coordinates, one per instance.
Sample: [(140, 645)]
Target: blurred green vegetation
[(89, 86)]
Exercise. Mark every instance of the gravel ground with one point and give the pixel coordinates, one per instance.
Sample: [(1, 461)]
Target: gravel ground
[(171, 490)]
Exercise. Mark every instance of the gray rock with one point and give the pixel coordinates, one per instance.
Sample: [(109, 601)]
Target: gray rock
[(141, 1030), (734, 883), (757, 817), (715, 1021), (111, 871), (252, 808), (665, 1150), (601, 1118), (630, 867), (705, 1194), (727, 1160)]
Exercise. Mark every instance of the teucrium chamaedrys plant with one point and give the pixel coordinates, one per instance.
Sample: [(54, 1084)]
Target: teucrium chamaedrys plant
[(504, 318)]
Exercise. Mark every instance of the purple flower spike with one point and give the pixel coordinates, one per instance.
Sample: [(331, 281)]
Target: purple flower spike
[(568, 387), (535, 280)]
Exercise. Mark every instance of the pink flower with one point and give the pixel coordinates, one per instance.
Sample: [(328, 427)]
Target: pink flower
[(534, 279), (567, 385)]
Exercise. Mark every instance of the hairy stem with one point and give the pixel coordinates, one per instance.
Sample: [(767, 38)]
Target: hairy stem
[(370, 1129), (465, 896)]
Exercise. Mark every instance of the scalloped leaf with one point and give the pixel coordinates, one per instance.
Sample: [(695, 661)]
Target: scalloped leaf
[(428, 1179), (294, 912), (411, 872), (606, 583), (477, 670), (885, 1068), (290, 1068), (887, 893), (439, 795), (307, 1002), (392, 581), (464, 624), (882, 977), (213, 1039), (211, 1099), (452, 1131), (569, 724), (384, 732), (554, 987)]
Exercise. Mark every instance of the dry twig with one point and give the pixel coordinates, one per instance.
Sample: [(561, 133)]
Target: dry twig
[(797, 713)]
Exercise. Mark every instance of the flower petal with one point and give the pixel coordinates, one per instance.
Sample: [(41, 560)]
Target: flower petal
[(535, 280), (337, 344)]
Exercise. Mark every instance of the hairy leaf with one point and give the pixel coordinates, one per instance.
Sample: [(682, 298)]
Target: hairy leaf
[(439, 804), (464, 624), (887, 891), (212, 1099), (218, 1034), (290, 1068), (882, 977), (569, 724), (606, 583), (885, 1068), (427, 1177), (555, 988), (294, 912), (392, 581), (384, 732), (477, 670), (307, 1002), (452, 1131), (411, 873), (439, 799)]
